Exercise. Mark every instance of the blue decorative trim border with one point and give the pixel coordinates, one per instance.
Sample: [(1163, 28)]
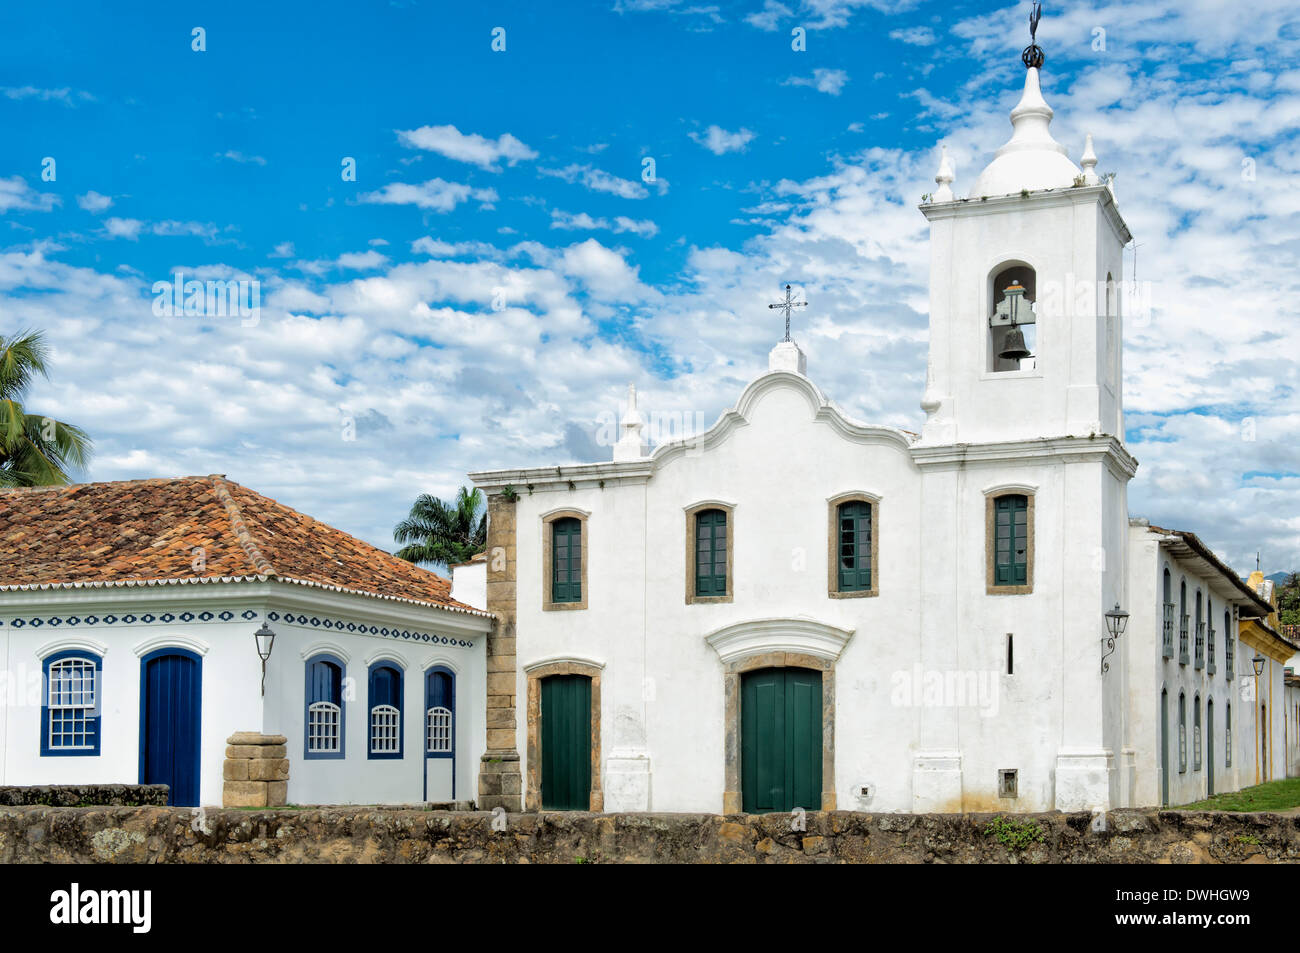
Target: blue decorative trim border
[(247, 615), (335, 624)]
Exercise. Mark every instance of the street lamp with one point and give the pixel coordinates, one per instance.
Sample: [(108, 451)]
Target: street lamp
[(1258, 662), (1116, 622), (1260, 728), (265, 639)]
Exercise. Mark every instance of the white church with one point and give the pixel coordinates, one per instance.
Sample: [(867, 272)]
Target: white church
[(965, 620), (794, 609)]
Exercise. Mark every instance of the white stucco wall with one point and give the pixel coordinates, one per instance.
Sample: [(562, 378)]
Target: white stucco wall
[(231, 675), (1152, 673), (778, 463)]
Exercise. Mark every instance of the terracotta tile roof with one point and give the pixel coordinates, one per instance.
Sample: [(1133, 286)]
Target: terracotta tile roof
[(147, 531)]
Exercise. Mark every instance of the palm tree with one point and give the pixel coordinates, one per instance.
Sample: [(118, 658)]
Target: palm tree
[(35, 450), (447, 533)]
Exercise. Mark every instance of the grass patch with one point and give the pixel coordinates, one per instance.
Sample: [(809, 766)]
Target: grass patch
[(1014, 835), (1272, 796)]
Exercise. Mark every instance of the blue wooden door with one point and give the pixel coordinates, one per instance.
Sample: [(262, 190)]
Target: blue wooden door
[(171, 700)]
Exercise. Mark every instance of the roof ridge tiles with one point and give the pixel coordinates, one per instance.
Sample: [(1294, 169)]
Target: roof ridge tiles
[(240, 527)]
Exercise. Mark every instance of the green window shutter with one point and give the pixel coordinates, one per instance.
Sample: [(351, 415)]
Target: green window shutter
[(1011, 540), (854, 542), (566, 560), (711, 553)]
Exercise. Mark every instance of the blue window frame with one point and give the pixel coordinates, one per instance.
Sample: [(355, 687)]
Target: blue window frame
[(440, 712), (70, 704), (386, 716), (324, 717)]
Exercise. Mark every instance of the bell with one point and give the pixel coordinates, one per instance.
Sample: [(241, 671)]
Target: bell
[(1014, 348)]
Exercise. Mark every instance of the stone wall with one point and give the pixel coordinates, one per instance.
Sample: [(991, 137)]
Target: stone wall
[(79, 795), (369, 835)]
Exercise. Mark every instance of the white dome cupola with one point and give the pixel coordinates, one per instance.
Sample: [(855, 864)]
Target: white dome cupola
[(1031, 159)]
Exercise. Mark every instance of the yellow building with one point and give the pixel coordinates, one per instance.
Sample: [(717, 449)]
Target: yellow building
[(1272, 725)]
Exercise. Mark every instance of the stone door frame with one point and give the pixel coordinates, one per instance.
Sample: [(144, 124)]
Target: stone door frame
[(533, 776), (776, 643)]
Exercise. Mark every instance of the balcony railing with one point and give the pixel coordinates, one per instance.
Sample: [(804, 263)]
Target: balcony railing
[(1183, 625), (1209, 649), (1168, 641), (1200, 645)]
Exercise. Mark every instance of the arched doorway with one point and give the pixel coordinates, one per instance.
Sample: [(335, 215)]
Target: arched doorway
[(171, 705), (1164, 748)]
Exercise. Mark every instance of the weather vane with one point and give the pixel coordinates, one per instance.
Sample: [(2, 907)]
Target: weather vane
[(1032, 57), (787, 306)]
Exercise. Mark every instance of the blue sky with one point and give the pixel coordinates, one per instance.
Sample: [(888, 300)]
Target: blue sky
[(518, 176)]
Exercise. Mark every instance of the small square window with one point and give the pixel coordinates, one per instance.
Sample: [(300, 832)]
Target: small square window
[(1007, 782)]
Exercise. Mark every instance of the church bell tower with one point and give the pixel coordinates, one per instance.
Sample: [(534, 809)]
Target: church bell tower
[(1025, 280)]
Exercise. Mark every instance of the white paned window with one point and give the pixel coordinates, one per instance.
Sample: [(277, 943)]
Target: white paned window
[(71, 703), (384, 737), (323, 721), (437, 730)]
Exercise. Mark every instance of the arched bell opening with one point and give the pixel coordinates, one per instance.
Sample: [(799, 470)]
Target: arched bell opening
[(1013, 321)]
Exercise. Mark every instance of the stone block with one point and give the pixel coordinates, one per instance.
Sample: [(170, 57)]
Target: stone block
[(254, 752), (277, 793), (235, 770), (268, 770), (255, 738), (501, 738), (499, 683), (243, 794)]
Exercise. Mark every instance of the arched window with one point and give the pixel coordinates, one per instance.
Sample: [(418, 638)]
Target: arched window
[(1167, 641), (1200, 633), (1209, 636), (1227, 738), (1012, 319), (1229, 645), (70, 704), (1196, 733), (324, 700), (385, 710), (1182, 733), (439, 713), (1183, 623)]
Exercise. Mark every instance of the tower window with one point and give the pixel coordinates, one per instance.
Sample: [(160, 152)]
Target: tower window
[(1012, 319)]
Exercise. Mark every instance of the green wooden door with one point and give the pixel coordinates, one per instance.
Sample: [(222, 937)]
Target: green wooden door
[(781, 740), (566, 743)]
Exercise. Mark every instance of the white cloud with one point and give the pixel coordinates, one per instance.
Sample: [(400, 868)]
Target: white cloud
[(235, 156), (361, 261), (584, 222), (16, 194), (66, 96), (830, 81), (598, 180), (719, 141), (94, 202), (451, 142), (133, 228), (435, 195), (915, 36), (770, 16), (283, 250)]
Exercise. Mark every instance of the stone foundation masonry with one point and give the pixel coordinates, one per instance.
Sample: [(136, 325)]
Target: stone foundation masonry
[(256, 770)]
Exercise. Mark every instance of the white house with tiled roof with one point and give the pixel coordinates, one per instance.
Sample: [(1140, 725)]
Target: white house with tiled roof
[(800, 610), (127, 620)]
